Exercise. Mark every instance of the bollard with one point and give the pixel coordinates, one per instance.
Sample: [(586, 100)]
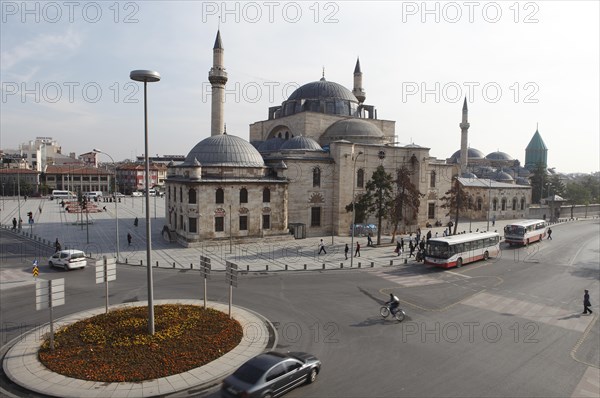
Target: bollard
[(247, 267), (286, 267), (391, 262), (372, 264), (323, 265), (267, 267), (358, 265), (191, 266), (125, 260), (305, 267), (341, 265), (141, 262), (157, 264), (173, 264), (406, 261)]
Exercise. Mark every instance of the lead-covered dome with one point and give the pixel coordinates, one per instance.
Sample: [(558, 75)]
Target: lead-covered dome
[(301, 143), (472, 153), (224, 150), (499, 156), (353, 130), (320, 96)]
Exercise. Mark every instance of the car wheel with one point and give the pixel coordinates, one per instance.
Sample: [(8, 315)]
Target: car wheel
[(67, 267), (459, 263), (312, 376)]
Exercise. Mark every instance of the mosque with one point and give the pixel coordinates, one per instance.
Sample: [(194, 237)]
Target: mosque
[(303, 165)]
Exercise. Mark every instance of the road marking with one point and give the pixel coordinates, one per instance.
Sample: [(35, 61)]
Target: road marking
[(458, 274)]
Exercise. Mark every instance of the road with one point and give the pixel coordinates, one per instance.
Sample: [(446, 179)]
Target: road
[(511, 326)]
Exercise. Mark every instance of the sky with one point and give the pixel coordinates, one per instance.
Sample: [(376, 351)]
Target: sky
[(64, 71)]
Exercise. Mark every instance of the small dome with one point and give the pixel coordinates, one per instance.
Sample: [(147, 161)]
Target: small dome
[(468, 174), (472, 153), (499, 156), (353, 130), (503, 176), (224, 150), (301, 142), (272, 144), (522, 181)]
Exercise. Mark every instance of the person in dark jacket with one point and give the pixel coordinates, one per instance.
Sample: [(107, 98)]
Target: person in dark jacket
[(586, 303)]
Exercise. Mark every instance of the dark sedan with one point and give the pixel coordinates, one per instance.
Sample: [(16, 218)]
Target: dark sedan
[(271, 374)]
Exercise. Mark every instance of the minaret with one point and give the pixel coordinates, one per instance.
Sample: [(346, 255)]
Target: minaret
[(217, 78), (464, 138), (358, 91)]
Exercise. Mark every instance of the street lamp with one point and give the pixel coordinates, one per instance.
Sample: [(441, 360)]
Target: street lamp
[(353, 208), (115, 199), (489, 205), (147, 76)]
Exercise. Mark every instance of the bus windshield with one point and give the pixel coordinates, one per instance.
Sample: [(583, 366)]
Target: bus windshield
[(439, 249), (514, 230)]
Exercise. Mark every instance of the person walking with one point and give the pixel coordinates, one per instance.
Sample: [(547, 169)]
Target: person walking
[(357, 251), (369, 240), (322, 247), (428, 234), (411, 249), (402, 244), (14, 222), (550, 233), (128, 239), (346, 250), (398, 248), (57, 246), (135, 222), (586, 303)]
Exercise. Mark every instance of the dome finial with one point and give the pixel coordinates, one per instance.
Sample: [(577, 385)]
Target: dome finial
[(225, 128), (323, 74)]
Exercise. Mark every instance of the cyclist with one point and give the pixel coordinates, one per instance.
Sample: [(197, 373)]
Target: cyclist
[(394, 303)]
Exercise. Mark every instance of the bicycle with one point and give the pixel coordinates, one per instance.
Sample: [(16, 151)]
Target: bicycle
[(399, 314)]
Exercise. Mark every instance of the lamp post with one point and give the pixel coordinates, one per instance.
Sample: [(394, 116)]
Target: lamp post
[(115, 199), (353, 208), (489, 205), (147, 76)]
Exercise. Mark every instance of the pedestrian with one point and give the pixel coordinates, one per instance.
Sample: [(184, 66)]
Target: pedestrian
[(428, 234), (40, 209), (494, 220), (398, 248), (346, 250), (369, 240), (402, 244), (135, 222), (586, 303), (25, 197), (57, 246), (436, 234), (550, 233), (422, 245), (128, 239), (411, 249), (20, 223), (322, 247), (357, 251), (14, 221)]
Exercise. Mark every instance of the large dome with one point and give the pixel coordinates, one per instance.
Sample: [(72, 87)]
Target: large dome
[(322, 89), (499, 156), (353, 130), (472, 153), (224, 150)]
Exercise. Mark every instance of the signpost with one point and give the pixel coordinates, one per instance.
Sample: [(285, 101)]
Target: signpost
[(231, 271), (36, 270), (106, 270), (49, 294), (205, 272)]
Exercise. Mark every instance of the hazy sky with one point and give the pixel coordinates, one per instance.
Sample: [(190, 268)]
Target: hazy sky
[(65, 71)]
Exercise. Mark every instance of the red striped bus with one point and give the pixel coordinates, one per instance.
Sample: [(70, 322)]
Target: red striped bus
[(456, 250), (525, 232)]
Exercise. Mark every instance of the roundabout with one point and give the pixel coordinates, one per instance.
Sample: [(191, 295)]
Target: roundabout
[(22, 366)]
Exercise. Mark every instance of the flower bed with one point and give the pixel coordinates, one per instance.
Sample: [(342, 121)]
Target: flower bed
[(116, 347)]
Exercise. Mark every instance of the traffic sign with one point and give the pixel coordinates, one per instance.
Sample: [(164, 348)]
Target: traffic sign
[(36, 270)]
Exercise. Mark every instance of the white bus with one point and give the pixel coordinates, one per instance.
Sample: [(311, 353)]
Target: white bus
[(525, 232), (60, 194), (456, 250)]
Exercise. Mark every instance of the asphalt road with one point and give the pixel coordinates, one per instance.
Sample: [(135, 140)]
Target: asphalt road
[(511, 326)]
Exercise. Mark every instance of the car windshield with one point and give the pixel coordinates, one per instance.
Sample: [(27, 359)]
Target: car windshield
[(438, 249), (249, 373)]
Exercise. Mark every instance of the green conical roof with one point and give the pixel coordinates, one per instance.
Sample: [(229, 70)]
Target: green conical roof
[(537, 143)]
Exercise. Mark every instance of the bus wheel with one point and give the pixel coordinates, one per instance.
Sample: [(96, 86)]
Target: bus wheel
[(459, 263), (486, 255)]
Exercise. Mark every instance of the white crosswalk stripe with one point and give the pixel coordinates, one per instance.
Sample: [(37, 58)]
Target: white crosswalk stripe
[(405, 278), (549, 315)]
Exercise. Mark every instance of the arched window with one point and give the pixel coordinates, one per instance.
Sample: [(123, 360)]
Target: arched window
[(479, 204), (503, 204), (495, 204), (266, 195), (360, 178), (316, 177), (514, 204), (432, 179), (243, 195), (522, 203), (219, 196), (192, 196)]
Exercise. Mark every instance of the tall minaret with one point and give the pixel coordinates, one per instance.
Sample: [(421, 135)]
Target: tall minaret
[(464, 138), (217, 78), (358, 91)]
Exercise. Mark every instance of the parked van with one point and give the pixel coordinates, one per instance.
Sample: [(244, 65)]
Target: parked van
[(60, 194), (93, 194)]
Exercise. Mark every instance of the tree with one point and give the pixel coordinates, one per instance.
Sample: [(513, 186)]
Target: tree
[(360, 215), (378, 196), (406, 199), (455, 200)]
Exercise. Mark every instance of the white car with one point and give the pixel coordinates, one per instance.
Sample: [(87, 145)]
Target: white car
[(137, 193), (118, 195), (68, 259)]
